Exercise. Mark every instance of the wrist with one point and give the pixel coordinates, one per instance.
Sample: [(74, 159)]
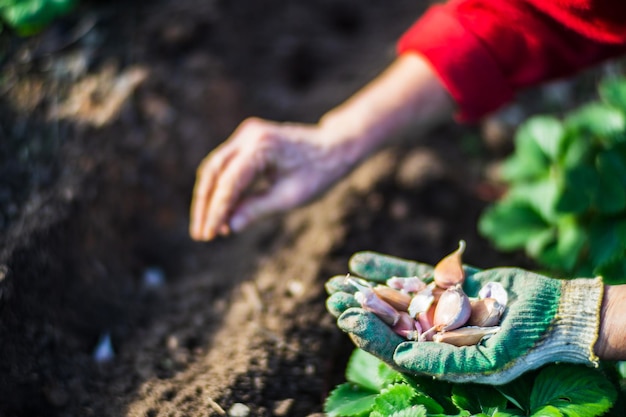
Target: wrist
[(349, 133), (611, 344)]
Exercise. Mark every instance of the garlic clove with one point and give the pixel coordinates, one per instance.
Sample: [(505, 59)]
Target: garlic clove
[(407, 284), (449, 271), (425, 319), (486, 312), (398, 300), (371, 302), (453, 309), (494, 290), (436, 291), (421, 302), (466, 336), (407, 327)]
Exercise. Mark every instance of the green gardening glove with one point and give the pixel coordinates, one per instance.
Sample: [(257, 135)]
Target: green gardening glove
[(546, 320)]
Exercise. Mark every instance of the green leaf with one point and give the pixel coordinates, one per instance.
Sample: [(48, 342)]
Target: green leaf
[(613, 92), (578, 151), (364, 369), (573, 390), (611, 195), (538, 242), (349, 400), (621, 368), (30, 16), (572, 239), (387, 375), (530, 161), (508, 413), (547, 132), (478, 398), (422, 398), (541, 195), (394, 398), (613, 163), (510, 223), (518, 391), (578, 188), (597, 119), (613, 273), (607, 241), (548, 411), (432, 393), (413, 411)]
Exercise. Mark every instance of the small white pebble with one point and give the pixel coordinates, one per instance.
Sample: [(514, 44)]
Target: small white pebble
[(153, 278), (239, 410), (104, 350), (295, 288)]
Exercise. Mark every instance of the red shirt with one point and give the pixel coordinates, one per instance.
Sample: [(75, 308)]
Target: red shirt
[(486, 50)]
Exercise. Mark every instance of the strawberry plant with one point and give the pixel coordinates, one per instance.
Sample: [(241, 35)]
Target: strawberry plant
[(566, 200), (28, 17), (373, 389)]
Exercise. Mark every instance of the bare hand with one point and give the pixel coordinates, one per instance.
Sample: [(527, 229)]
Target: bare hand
[(290, 163)]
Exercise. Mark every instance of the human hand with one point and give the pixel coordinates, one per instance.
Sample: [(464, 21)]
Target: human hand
[(264, 168), (547, 320)]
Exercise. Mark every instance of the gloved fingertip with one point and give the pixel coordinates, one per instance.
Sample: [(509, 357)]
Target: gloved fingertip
[(339, 302), (367, 264), (353, 320), (412, 356), (369, 333), (339, 283), (380, 267)]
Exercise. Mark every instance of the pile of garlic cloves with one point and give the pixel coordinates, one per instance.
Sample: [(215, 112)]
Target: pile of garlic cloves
[(438, 311)]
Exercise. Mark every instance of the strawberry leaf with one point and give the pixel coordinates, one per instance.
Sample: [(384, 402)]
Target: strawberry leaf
[(478, 398), (349, 400), (394, 398), (608, 241), (413, 411), (510, 223), (598, 119), (613, 92), (571, 390), (363, 369)]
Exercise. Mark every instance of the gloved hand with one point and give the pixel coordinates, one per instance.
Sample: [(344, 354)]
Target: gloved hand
[(546, 320)]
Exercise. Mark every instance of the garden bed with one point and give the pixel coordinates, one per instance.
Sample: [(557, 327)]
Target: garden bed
[(105, 117)]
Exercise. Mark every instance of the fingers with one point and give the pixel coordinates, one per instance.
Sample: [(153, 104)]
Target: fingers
[(456, 364), (231, 183), (223, 176), (284, 194), (206, 179), (369, 333), (378, 267), (339, 283)]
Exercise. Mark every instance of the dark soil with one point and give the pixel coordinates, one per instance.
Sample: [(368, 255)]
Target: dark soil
[(91, 200)]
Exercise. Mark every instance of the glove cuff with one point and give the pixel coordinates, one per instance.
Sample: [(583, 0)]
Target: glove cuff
[(577, 323)]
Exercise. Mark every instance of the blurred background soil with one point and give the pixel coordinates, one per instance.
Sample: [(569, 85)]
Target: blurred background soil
[(103, 119)]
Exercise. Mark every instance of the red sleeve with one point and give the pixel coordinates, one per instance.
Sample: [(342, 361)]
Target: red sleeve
[(486, 50)]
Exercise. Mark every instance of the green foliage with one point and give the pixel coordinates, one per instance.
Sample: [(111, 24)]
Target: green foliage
[(375, 390), (28, 17), (566, 201)]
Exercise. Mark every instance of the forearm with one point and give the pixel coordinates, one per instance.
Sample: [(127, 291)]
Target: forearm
[(611, 344), (407, 93)]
